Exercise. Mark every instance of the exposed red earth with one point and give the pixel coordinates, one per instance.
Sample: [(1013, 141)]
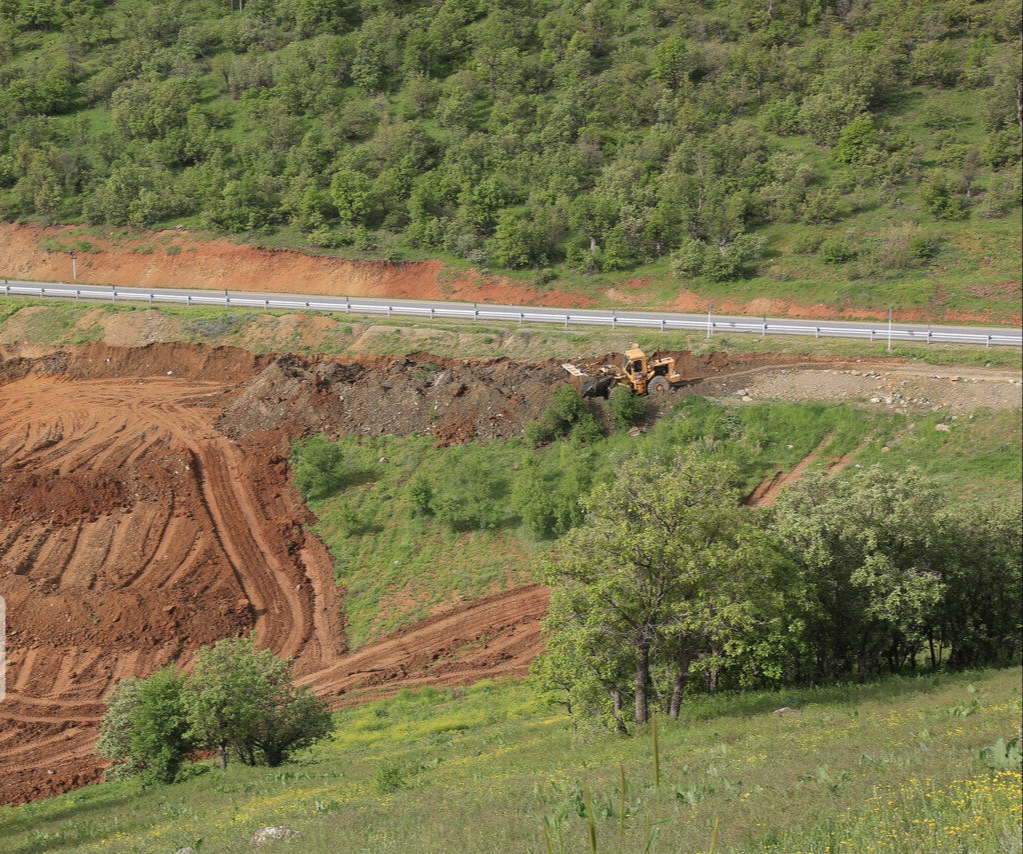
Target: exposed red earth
[(146, 507)]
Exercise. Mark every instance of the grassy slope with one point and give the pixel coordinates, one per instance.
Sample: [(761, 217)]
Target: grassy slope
[(894, 766), (397, 567), (973, 258), (56, 323)]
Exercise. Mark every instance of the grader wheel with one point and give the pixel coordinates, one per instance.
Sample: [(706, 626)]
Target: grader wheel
[(658, 386)]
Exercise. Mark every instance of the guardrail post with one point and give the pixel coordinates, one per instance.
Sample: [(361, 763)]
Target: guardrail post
[(928, 333), (614, 320), (266, 304), (521, 315), (348, 305), (475, 312), (78, 293), (871, 336), (431, 312), (988, 343), (816, 333), (662, 324), (566, 321), (113, 294), (763, 328), (388, 311)]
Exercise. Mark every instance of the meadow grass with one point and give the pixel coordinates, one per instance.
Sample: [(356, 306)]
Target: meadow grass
[(398, 566), (901, 764)]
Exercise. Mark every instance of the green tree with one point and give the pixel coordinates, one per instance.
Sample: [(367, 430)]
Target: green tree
[(241, 698), (687, 260), (144, 728), (857, 141), (472, 495), (626, 407), (350, 191), (532, 498), (656, 577), (319, 468), (982, 570), (866, 550), (941, 198), (936, 62)]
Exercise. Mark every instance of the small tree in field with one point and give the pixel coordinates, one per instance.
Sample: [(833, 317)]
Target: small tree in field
[(626, 407), (241, 698), (143, 731)]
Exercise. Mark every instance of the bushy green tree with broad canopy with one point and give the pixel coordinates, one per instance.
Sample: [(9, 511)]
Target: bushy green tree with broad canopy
[(661, 576), (144, 731), (238, 697), (242, 698), (886, 571)]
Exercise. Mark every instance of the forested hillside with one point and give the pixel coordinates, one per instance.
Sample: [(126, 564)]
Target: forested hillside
[(788, 139)]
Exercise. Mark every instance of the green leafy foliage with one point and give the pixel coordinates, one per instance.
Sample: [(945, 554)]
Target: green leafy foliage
[(320, 468), (626, 407), (144, 730), (241, 698), (884, 565), (590, 140), (670, 579), (471, 496), (567, 414), (236, 698), (660, 576), (397, 560)]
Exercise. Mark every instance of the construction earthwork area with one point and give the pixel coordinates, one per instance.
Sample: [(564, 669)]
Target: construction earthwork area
[(147, 509)]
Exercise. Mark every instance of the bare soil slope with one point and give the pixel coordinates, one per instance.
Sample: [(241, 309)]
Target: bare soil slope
[(145, 510)]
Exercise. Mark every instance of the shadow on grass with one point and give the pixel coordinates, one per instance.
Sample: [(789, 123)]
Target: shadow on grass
[(848, 693), (91, 808)]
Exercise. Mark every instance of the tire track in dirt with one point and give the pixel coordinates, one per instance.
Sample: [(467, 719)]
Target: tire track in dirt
[(456, 646), (142, 565), (238, 529), (766, 492)]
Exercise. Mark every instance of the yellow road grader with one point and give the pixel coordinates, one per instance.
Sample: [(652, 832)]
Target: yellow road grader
[(643, 375)]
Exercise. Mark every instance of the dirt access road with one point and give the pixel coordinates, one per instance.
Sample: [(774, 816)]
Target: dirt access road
[(146, 507)]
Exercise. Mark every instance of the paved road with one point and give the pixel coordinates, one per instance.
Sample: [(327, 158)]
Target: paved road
[(712, 323)]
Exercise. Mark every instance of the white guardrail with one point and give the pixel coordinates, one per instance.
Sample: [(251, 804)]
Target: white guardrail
[(476, 313)]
